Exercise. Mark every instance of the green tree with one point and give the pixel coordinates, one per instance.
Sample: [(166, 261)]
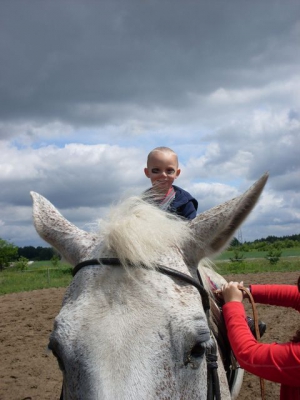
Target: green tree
[(278, 245), (8, 253), (274, 256), (288, 244), (235, 242), (28, 252), (237, 256), (22, 263), (55, 260), (245, 247), (45, 253)]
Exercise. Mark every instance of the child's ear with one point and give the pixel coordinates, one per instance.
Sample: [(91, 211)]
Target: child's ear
[(178, 172), (146, 172)]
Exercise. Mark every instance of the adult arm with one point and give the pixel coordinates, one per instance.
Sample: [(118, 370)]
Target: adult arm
[(278, 295), (275, 362)]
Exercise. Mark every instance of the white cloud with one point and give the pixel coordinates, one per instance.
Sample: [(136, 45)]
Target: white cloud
[(82, 104)]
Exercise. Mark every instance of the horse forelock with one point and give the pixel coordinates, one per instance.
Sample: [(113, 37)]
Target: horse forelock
[(139, 233)]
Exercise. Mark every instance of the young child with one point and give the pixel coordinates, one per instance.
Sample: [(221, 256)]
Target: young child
[(162, 169)]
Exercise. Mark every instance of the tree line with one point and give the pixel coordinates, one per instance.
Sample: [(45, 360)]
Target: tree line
[(265, 244), (36, 253), (10, 253)]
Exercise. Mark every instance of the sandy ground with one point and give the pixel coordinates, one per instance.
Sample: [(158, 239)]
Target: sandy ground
[(28, 372)]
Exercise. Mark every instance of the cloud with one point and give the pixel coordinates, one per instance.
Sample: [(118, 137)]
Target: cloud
[(87, 91), (73, 175)]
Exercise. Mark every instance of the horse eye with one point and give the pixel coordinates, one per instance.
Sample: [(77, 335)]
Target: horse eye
[(198, 350)]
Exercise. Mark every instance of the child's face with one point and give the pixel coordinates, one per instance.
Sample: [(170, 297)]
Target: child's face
[(162, 169)]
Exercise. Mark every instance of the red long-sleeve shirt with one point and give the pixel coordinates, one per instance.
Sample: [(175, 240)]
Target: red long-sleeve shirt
[(275, 362)]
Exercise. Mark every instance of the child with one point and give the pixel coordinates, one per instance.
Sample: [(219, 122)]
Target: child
[(162, 169)]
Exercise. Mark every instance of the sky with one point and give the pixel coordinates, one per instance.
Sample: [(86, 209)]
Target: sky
[(87, 89)]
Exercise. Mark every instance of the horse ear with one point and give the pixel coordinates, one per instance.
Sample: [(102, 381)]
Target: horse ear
[(214, 228), (74, 244)]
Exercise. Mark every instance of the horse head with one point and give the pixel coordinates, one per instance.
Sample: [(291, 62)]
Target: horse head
[(126, 330)]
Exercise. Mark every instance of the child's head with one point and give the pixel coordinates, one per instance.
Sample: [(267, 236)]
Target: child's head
[(162, 168)]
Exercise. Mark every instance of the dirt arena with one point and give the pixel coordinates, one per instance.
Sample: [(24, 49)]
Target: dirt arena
[(28, 372)]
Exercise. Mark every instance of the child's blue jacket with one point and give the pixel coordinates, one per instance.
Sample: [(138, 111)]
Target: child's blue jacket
[(184, 204)]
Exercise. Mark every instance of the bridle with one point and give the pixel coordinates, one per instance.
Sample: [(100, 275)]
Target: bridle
[(213, 384)]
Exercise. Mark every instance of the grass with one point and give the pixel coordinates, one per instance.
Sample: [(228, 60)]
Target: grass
[(43, 274), (39, 275), (257, 265), (293, 252)]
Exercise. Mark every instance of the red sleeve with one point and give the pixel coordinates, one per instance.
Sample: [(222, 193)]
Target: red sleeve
[(277, 295), (275, 362)]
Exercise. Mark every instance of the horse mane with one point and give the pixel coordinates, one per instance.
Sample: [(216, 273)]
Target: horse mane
[(140, 233)]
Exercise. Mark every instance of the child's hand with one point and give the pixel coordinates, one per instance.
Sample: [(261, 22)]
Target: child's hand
[(231, 292)]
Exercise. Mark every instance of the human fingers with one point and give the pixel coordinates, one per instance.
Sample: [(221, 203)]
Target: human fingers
[(231, 292)]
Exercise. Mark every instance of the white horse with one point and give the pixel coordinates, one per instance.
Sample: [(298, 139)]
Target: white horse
[(127, 329)]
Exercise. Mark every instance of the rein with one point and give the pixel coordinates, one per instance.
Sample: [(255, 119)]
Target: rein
[(257, 333)]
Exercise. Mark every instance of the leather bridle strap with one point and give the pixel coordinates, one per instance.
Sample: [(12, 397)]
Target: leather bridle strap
[(95, 261), (213, 385), (162, 269), (257, 333)]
